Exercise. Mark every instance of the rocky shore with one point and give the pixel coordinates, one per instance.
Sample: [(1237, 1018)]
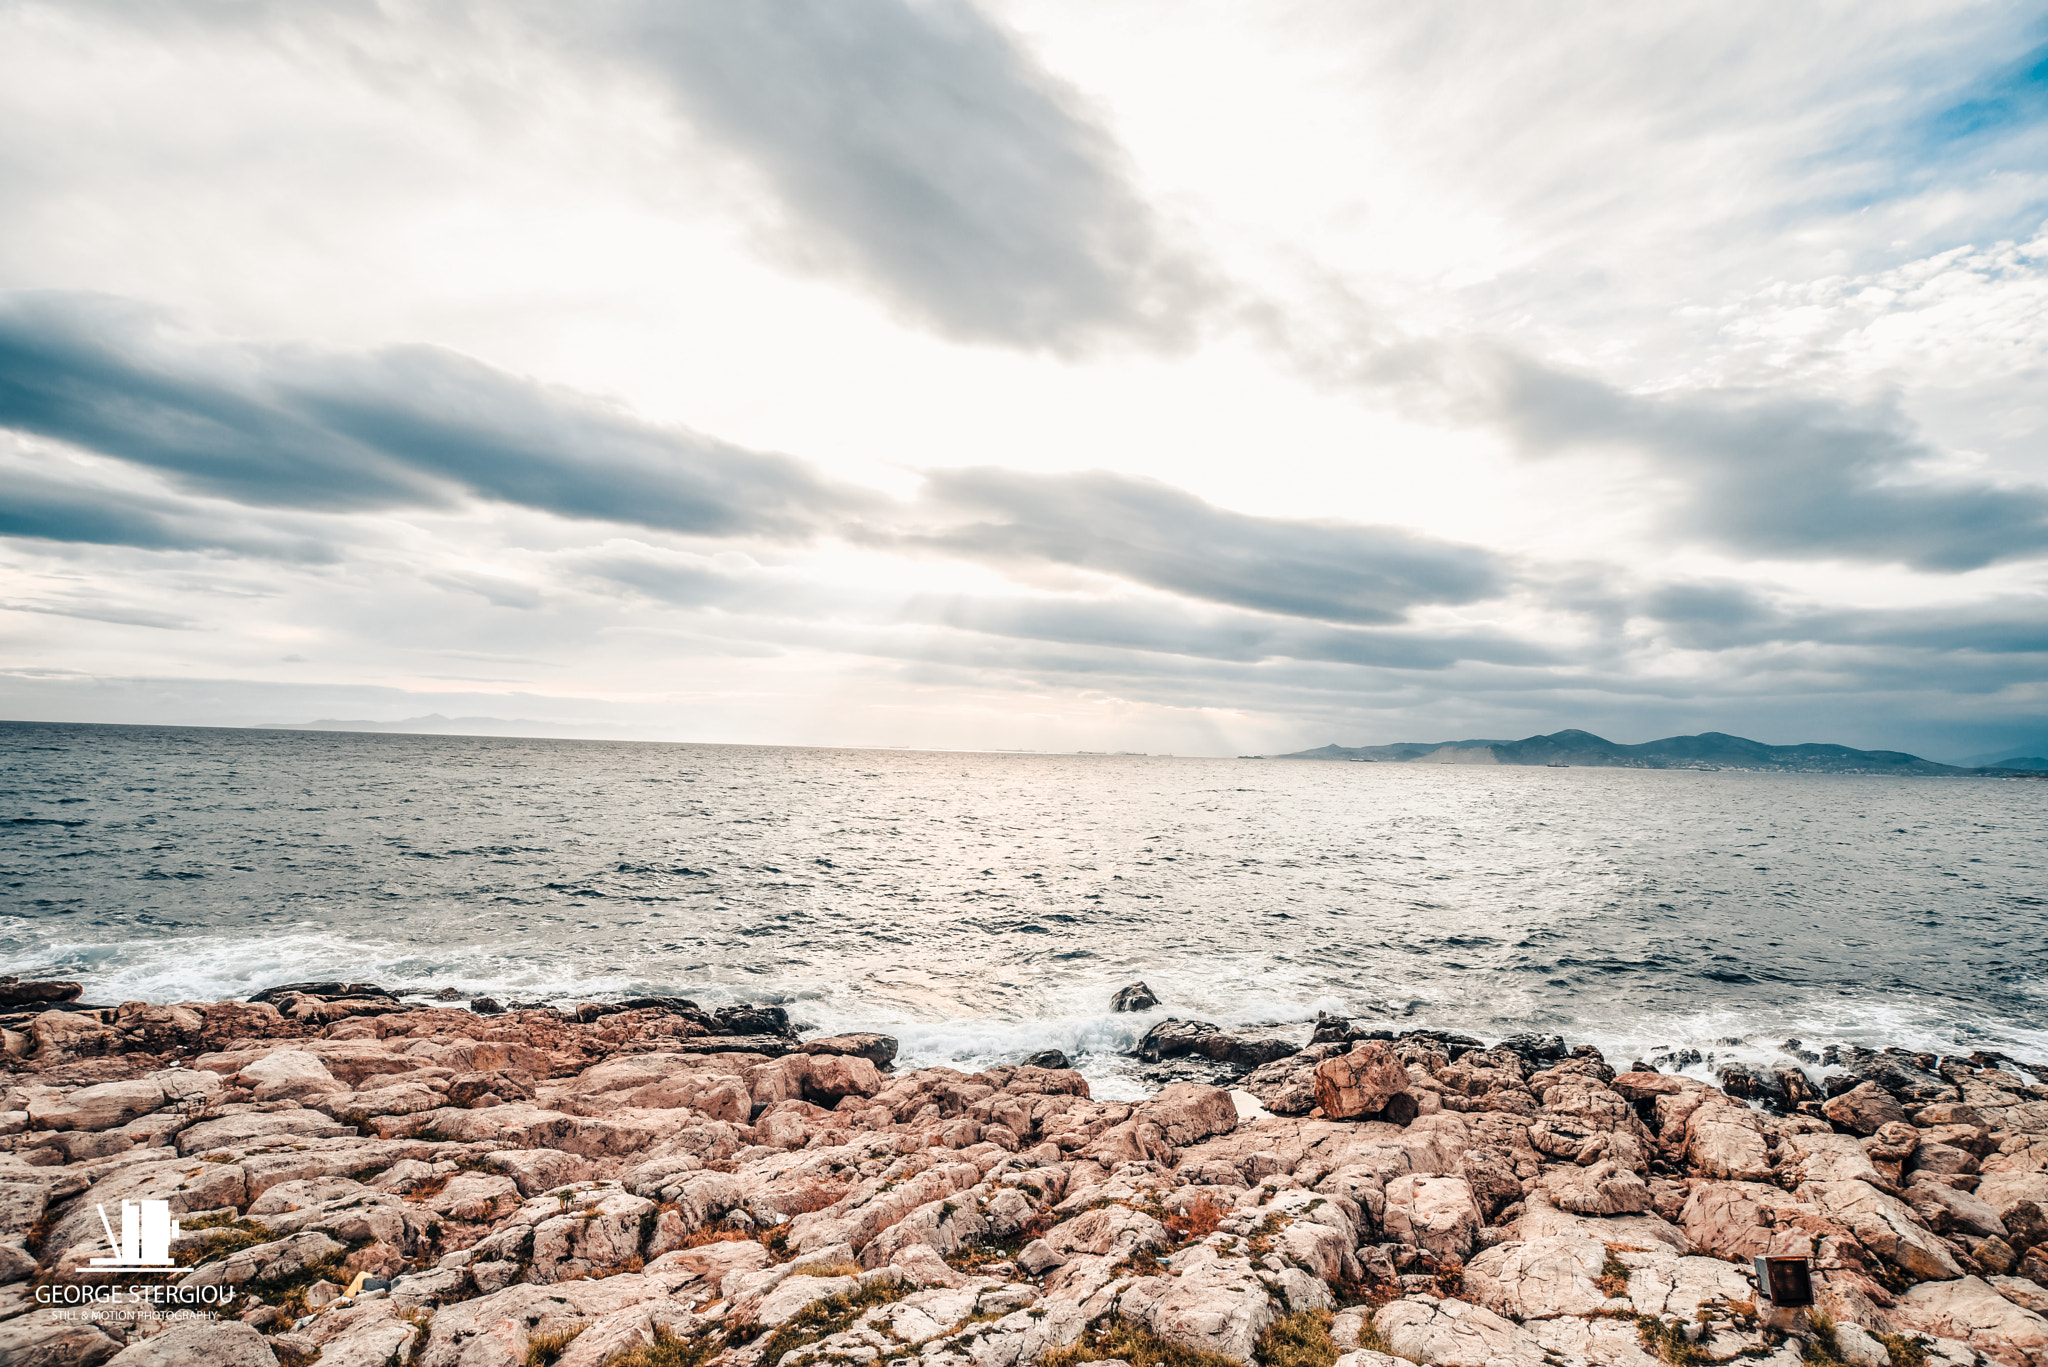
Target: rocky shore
[(361, 1181)]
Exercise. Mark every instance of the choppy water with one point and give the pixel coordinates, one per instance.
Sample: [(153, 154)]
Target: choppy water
[(982, 905)]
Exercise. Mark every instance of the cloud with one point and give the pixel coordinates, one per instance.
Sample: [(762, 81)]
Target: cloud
[(404, 427), (1144, 625), (917, 145), (36, 505), (1793, 476), (1724, 615), (1154, 534)]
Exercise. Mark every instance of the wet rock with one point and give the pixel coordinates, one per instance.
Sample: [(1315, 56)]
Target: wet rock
[(1538, 1050), (1048, 1058), (327, 991), (486, 1006), (1136, 997), (1895, 1071), (15, 992), (879, 1050), (1173, 1038), (752, 1020)]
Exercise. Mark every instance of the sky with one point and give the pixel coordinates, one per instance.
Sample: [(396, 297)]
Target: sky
[(1189, 378)]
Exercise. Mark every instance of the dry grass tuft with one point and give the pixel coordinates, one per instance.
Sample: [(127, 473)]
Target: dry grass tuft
[(1196, 1220), (1298, 1340)]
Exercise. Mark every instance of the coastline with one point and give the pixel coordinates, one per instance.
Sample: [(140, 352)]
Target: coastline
[(653, 1178)]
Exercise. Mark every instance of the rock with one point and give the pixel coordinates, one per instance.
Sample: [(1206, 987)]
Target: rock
[(752, 1020), (290, 1075), (539, 1170), (1039, 1257), (1136, 997), (1727, 1140), (879, 1050), (1971, 1310), (1244, 1051), (327, 991), (1864, 1109), (1540, 1278), (1215, 1304), (828, 1078), (475, 1197), (1537, 1050), (506, 1084), (1426, 1329), (15, 992), (1360, 1083), (40, 1340), (1893, 1071), (2023, 1292), (1945, 1209), (266, 1262), (1886, 1226), (1048, 1058), (1606, 1188), (1433, 1213), (1172, 1038), (97, 1108), (64, 1034), (1189, 1112), (1117, 1230)]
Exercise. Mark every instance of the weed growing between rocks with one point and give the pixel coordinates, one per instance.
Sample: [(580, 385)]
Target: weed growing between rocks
[(1298, 1340), (544, 1350), (224, 1235), (1198, 1219), (1135, 1344), (1907, 1350), (668, 1350), (1666, 1341), (834, 1314), (1613, 1278)]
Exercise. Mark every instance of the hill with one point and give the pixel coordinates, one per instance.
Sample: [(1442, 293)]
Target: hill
[(1709, 750)]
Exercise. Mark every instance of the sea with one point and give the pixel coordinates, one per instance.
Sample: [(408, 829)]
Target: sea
[(984, 906)]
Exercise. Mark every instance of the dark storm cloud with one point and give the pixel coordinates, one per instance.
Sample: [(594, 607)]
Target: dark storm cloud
[(1154, 534), (914, 142), (290, 427), (1787, 476)]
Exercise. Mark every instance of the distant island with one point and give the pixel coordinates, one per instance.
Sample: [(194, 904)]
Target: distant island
[(1709, 750)]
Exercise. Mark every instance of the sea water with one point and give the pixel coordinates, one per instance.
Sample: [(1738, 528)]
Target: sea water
[(981, 906)]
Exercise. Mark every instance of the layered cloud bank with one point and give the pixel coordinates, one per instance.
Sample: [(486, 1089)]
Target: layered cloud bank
[(890, 373)]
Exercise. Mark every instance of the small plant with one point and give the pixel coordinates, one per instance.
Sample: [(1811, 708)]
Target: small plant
[(223, 1235), (822, 1319), (544, 1350), (717, 1232), (668, 1350), (1134, 1344), (828, 1270), (1613, 1278), (1298, 1340), (1667, 1341), (1907, 1350), (1196, 1220)]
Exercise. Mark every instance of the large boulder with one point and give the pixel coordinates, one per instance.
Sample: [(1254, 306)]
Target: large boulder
[(1864, 1109), (1605, 1188), (1189, 1112), (1456, 1334), (290, 1075), (1886, 1226), (1433, 1213), (97, 1108), (1214, 1304), (1359, 1083), (1727, 1140), (200, 1343), (1971, 1310)]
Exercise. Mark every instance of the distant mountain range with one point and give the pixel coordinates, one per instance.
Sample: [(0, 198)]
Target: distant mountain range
[(1710, 750)]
